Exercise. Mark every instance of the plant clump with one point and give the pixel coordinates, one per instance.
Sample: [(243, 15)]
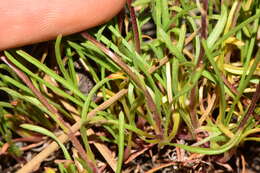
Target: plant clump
[(170, 86)]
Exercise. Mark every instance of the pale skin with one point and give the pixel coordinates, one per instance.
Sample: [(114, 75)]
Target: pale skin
[(25, 22)]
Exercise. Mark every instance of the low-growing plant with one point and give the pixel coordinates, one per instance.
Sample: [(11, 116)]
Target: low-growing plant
[(193, 76)]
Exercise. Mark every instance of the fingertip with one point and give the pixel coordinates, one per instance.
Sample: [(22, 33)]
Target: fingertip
[(36, 21)]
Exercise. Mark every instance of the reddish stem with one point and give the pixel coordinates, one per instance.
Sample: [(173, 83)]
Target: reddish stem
[(135, 27)]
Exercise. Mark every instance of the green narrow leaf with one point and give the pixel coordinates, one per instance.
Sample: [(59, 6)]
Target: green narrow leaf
[(120, 142), (212, 151), (49, 134), (59, 59), (218, 29)]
